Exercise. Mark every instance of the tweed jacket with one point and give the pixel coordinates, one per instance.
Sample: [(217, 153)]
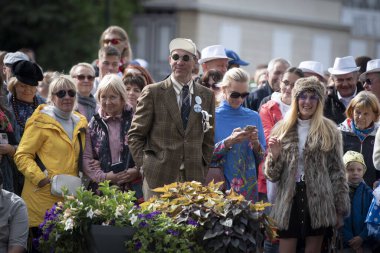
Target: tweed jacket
[(158, 142), (326, 184)]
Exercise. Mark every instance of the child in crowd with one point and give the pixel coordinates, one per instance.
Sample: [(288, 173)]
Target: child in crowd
[(355, 233)]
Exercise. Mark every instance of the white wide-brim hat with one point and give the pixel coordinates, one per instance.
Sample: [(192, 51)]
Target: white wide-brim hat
[(184, 44), (312, 67), (343, 66), (372, 66), (212, 53)]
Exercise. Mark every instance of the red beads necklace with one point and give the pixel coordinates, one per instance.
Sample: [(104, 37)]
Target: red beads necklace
[(15, 109)]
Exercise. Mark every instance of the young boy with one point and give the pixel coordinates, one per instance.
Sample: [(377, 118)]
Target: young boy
[(355, 233)]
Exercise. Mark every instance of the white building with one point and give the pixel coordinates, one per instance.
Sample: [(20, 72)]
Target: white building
[(259, 30)]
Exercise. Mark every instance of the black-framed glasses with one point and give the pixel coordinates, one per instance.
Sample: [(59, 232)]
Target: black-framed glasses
[(177, 57), (62, 93), (82, 77), (235, 94)]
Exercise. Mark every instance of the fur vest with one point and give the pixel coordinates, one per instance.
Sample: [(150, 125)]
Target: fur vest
[(326, 184)]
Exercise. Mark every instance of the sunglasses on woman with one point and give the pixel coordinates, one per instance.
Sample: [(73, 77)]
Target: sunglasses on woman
[(62, 93), (113, 41), (236, 94)]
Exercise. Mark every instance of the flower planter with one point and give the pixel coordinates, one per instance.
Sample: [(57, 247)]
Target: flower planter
[(106, 239)]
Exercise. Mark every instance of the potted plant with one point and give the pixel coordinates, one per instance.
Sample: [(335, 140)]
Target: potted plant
[(73, 225), (220, 222)]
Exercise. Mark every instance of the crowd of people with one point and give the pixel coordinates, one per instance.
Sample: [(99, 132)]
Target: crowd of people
[(301, 138)]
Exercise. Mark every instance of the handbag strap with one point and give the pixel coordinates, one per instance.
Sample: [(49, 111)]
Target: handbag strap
[(80, 159)]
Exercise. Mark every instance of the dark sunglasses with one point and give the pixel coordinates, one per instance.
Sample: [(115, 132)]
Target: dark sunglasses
[(113, 41), (185, 57), (62, 93), (82, 77), (236, 94)]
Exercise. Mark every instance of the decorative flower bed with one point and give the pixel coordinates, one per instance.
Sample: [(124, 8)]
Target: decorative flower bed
[(187, 217)]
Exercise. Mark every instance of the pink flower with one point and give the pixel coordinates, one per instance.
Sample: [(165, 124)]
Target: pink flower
[(236, 183)]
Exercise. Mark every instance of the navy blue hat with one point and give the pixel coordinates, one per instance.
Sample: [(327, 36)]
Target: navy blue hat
[(27, 72), (235, 59)]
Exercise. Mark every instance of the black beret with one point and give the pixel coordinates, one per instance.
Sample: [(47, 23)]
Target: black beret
[(27, 72)]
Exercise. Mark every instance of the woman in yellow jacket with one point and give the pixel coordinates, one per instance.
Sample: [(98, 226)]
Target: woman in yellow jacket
[(52, 134)]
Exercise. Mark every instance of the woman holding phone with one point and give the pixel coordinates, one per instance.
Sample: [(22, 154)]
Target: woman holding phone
[(239, 136)]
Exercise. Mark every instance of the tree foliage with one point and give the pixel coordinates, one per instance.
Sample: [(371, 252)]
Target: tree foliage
[(61, 32)]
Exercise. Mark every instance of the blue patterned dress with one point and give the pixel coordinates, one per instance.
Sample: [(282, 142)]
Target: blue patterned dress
[(240, 163)]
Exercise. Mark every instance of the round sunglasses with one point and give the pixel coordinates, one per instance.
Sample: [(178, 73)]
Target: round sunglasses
[(185, 57), (62, 93)]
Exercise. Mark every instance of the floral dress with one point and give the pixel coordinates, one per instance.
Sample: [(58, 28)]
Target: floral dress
[(239, 162)]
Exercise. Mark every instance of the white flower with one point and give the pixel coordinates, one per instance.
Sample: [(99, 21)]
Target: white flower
[(90, 214), (119, 210), (133, 219), (97, 212), (69, 224)]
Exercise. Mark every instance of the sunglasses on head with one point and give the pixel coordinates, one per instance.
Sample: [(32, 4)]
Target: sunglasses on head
[(62, 93), (82, 77), (185, 57), (236, 94), (113, 41)]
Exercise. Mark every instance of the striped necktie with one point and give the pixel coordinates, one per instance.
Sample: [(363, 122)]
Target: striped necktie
[(185, 108)]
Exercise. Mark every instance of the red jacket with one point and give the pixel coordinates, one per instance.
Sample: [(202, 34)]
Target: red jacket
[(270, 114)]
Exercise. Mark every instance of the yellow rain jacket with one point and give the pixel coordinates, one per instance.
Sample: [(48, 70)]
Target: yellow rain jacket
[(44, 136)]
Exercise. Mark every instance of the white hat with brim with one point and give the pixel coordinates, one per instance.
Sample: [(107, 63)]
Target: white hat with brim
[(213, 53), (184, 44), (312, 67), (343, 66), (372, 67)]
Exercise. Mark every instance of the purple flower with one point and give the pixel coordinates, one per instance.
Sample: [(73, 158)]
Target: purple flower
[(141, 216), (192, 222), (143, 224), (150, 216), (173, 232), (138, 245)]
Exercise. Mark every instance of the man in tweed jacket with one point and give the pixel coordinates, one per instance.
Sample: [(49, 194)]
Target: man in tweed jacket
[(165, 150)]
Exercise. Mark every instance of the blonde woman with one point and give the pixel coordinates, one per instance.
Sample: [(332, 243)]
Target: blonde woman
[(305, 158), (118, 37), (52, 133), (239, 136)]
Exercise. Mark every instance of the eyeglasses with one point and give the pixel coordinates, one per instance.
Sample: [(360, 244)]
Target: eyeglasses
[(185, 57), (62, 93), (236, 94), (312, 98), (82, 77), (369, 81), (206, 121), (113, 41)]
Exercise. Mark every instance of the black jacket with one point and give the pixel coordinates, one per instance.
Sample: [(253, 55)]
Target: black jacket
[(253, 101)]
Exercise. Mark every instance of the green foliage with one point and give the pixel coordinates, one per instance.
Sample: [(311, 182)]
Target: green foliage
[(161, 234), (66, 226), (62, 32)]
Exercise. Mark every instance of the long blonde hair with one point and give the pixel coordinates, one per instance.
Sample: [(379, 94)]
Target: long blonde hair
[(323, 132)]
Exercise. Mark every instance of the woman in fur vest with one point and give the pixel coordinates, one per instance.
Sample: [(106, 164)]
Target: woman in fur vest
[(305, 158)]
